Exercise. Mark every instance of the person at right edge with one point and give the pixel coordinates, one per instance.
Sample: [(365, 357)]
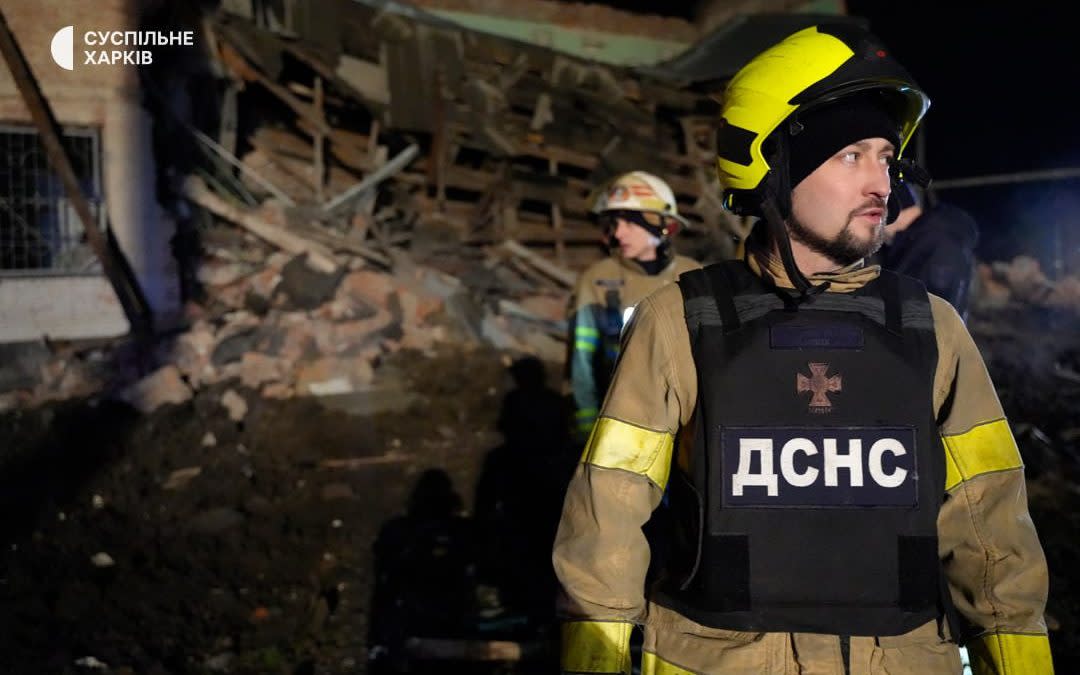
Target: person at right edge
[(847, 497), (935, 244)]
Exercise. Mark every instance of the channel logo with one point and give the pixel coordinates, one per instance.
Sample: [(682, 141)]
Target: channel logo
[(115, 47), (63, 48)]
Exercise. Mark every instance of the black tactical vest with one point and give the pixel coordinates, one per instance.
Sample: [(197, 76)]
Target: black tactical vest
[(818, 471)]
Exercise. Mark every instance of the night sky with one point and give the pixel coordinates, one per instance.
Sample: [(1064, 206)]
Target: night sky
[(999, 81)]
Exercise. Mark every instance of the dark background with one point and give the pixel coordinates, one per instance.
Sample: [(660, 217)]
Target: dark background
[(1002, 78)]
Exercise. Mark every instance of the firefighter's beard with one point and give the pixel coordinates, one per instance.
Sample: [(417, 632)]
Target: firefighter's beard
[(844, 249)]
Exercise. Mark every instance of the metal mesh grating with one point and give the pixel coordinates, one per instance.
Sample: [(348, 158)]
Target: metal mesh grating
[(40, 230)]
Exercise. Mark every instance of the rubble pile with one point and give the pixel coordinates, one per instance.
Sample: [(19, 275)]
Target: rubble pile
[(383, 180), (277, 326), (1022, 280)]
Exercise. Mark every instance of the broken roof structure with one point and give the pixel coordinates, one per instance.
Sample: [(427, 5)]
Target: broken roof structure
[(512, 136)]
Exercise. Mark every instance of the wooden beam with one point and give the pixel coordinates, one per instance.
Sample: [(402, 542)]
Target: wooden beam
[(560, 274), (349, 243), (233, 160), (372, 180), (535, 234), (556, 219), (319, 142), (236, 62), (436, 169), (351, 148), (318, 255)]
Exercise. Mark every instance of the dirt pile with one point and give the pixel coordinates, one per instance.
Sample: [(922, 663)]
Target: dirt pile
[(185, 541)]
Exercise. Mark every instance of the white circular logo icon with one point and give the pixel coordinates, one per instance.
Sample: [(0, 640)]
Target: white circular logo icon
[(63, 47)]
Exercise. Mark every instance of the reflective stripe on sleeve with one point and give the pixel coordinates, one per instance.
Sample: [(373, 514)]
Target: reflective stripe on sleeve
[(618, 445), (651, 664), (983, 449), (596, 647), (1010, 654)]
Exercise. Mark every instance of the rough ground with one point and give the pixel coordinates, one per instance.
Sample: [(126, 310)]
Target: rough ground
[(260, 563), (263, 560)]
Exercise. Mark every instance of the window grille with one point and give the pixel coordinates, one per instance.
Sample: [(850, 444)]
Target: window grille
[(40, 231)]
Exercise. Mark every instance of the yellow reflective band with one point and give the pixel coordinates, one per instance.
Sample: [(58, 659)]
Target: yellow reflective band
[(651, 664), (618, 445), (583, 346), (986, 448), (1011, 654), (587, 412), (596, 646), (586, 332)]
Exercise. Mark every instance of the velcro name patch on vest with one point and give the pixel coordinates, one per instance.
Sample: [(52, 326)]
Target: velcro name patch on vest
[(817, 467), (816, 336)]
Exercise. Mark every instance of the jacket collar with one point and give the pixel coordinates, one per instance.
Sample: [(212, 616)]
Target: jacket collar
[(764, 263)]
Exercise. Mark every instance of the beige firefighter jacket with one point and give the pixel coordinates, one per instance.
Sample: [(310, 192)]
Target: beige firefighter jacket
[(992, 557), (594, 346)]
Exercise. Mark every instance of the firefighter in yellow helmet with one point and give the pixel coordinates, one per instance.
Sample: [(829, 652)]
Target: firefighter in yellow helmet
[(639, 217), (852, 500)]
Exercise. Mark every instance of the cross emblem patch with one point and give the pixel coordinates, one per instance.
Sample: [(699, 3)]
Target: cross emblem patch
[(818, 384)]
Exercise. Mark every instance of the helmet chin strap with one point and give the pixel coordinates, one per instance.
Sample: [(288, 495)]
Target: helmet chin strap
[(779, 234), (775, 207)]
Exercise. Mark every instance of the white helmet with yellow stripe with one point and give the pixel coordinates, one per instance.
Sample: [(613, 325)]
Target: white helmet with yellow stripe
[(645, 193)]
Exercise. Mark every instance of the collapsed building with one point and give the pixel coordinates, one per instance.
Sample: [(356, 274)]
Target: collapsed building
[(361, 138)]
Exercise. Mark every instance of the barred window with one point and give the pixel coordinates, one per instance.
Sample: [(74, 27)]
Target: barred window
[(40, 231)]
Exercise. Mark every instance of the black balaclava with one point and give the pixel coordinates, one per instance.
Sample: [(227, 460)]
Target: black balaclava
[(821, 132)]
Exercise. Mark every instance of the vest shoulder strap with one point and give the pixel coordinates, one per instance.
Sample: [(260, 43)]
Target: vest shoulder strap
[(905, 300), (708, 297)]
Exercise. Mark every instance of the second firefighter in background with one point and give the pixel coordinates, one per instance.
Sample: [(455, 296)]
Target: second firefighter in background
[(639, 216)]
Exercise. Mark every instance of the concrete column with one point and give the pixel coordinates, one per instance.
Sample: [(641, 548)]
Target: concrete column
[(142, 227)]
